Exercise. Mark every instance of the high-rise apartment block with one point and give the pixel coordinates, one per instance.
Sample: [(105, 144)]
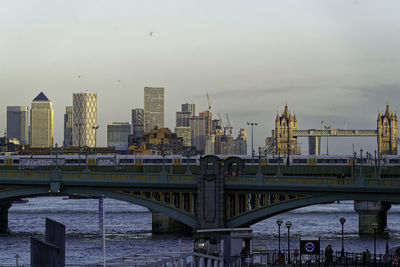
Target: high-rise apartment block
[(68, 123), (137, 123), (185, 133), (207, 115), (182, 117), (153, 108), (117, 135), (198, 132), (189, 108), (41, 127), (17, 123), (84, 119)]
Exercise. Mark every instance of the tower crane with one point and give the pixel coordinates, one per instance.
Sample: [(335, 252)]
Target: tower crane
[(229, 125), (208, 101)]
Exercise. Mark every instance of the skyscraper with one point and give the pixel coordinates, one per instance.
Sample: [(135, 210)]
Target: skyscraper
[(117, 135), (198, 132), (153, 108), (240, 143), (41, 128), (17, 123), (182, 117), (208, 117), (68, 123), (189, 108), (185, 133), (84, 114), (137, 123)]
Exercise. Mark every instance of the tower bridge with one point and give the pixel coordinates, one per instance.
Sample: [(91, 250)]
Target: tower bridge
[(222, 194), (284, 137)]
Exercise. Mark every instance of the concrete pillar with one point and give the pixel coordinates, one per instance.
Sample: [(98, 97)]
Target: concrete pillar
[(163, 224), (371, 212), (4, 206), (314, 145)]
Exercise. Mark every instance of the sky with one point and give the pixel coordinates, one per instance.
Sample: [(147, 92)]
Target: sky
[(336, 61)]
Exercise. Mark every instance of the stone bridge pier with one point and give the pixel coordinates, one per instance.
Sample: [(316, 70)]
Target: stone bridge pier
[(4, 206), (370, 212)]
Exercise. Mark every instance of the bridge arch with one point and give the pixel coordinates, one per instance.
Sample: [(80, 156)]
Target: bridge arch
[(261, 214), (151, 205)]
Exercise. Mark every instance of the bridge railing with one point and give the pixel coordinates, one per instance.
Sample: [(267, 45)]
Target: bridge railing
[(312, 181), (98, 176)]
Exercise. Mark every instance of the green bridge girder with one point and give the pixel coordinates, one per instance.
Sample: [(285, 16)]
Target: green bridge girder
[(175, 194)]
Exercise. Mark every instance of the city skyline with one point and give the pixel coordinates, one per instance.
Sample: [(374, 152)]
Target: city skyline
[(333, 62)]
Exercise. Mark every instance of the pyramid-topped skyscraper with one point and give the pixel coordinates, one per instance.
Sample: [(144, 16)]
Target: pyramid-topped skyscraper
[(41, 128)]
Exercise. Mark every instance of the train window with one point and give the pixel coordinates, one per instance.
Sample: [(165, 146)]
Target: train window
[(363, 160), (190, 160), (394, 161), (74, 161), (249, 161), (126, 161), (275, 160), (1, 161), (300, 161), (15, 161), (332, 161)]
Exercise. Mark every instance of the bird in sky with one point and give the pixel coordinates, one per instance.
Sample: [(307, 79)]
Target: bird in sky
[(151, 33), (79, 76)]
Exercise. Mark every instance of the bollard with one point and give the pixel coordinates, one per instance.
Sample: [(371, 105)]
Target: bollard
[(16, 260)]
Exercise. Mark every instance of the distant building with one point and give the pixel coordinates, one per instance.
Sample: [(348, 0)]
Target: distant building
[(41, 119), (285, 124), (207, 115), (153, 108), (8, 144), (17, 123), (198, 132), (216, 125), (68, 125), (117, 135), (224, 145), (185, 133), (182, 117), (84, 119), (157, 140), (210, 145), (240, 143), (189, 108), (137, 123)]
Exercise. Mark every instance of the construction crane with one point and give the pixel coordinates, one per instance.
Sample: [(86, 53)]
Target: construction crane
[(222, 123), (229, 125), (208, 101)]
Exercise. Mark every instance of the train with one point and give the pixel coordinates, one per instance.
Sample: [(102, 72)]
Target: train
[(177, 160)]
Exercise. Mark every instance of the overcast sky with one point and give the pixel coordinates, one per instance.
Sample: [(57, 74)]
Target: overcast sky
[(336, 61)]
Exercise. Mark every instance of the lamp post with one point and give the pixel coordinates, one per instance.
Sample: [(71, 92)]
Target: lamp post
[(354, 165), (87, 165), (279, 163), (374, 227), (342, 221), (56, 156), (361, 160), (259, 160), (288, 225), (95, 128), (387, 231), (279, 223), (163, 155), (187, 160), (252, 136), (79, 140), (375, 164)]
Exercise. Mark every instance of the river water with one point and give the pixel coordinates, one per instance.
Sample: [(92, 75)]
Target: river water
[(128, 229)]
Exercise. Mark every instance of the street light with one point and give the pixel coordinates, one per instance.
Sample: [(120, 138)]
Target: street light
[(279, 223), (95, 128), (252, 149), (361, 160), (374, 227), (288, 225), (342, 221), (259, 161), (79, 140), (387, 231)]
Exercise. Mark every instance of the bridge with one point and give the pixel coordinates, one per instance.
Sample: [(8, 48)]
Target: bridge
[(221, 195), (333, 132)]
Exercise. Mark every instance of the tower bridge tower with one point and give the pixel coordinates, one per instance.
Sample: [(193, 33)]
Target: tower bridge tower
[(388, 131), (286, 143)]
